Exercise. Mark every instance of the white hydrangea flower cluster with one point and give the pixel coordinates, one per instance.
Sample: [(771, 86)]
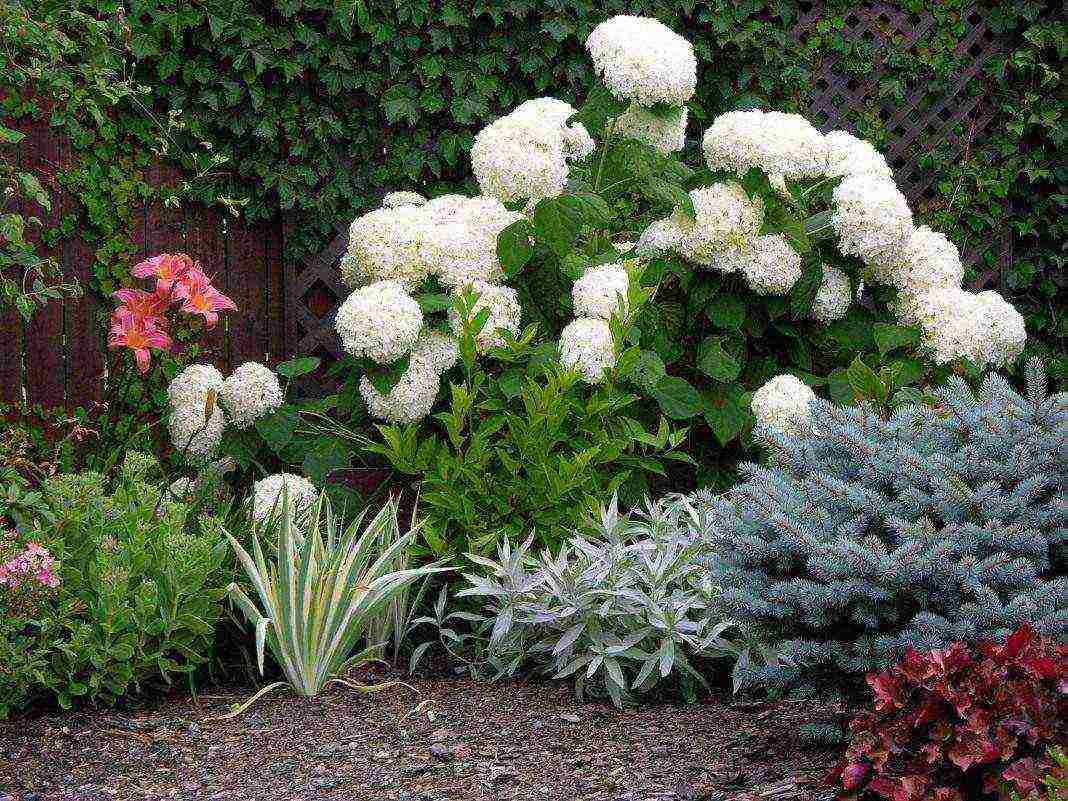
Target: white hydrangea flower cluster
[(194, 434), (955, 323), (384, 246), (193, 385), (783, 404), (267, 495), (722, 234), (380, 321), (665, 133), (252, 391), (437, 349), (772, 267), (782, 145), (873, 222), (504, 314), (525, 154), (586, 345), (872, 218), (927, 261), (412, 397), (834, 296), (452, 237), (641, 59), (196, 421), (409, 400), (202, 404), (848, 155), (602, 291), (393, 200)]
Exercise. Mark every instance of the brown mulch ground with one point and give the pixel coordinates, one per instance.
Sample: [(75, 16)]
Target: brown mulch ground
[(454, 739)]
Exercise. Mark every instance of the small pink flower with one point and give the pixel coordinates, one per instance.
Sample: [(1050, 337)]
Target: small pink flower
[(139, 335), (138, 303), (198, 296), (166, 268)]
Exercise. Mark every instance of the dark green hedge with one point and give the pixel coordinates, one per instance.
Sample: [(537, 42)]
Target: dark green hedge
[(325, 104)]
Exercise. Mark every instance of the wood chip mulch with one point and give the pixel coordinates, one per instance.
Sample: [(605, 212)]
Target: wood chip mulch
[(446, 738)]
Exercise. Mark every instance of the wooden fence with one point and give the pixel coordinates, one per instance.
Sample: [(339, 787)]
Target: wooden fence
[(288, 309)]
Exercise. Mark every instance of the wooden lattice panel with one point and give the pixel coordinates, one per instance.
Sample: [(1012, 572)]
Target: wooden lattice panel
[(314, 291), (928, 115)]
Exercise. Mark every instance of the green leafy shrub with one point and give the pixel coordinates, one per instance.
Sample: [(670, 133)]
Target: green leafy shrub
[(140, 594), (678, 290), (524, 446), (869, 534)]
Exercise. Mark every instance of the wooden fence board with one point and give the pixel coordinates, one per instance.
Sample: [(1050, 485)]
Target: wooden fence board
[(277, 343), (43, 154), (204, 241), (10, 356), (248, 273)]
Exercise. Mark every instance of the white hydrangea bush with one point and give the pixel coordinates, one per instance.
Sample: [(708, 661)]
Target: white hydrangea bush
[(780, 230)]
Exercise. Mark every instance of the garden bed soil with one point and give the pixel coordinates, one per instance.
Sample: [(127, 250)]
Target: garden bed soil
[(445, 738)]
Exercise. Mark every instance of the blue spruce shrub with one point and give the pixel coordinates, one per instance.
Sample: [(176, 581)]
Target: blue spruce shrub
[(867, 535)]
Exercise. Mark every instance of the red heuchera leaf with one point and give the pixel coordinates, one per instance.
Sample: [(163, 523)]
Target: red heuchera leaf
[(886, 688), (1022, 639), (1023, 774), (949, 722), (853, 775)]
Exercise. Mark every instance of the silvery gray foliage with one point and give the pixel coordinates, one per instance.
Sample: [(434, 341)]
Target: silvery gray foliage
[(627, 606)]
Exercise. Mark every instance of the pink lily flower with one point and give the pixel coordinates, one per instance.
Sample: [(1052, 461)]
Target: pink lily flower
[(198, 296), (139, 334), (138, 303), (166, 268)]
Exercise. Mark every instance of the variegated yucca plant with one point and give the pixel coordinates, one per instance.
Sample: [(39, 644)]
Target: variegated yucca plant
[(321, 590)]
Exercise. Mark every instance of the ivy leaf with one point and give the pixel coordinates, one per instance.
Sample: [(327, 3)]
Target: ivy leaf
[(678, 398), (715, 362), (889, 337)]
